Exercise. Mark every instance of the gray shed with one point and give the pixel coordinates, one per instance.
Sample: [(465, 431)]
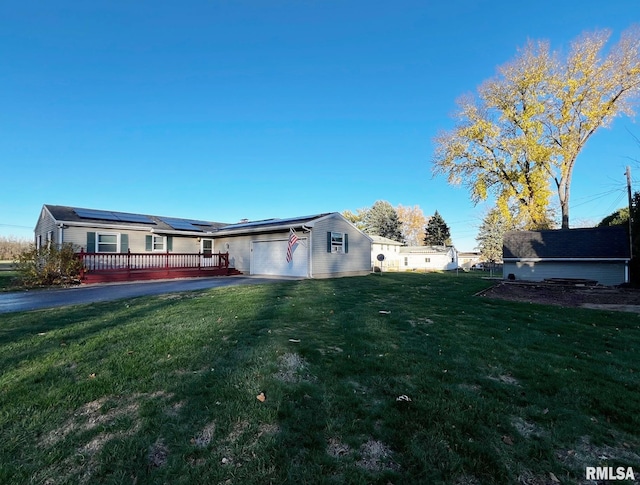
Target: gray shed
[(599, 253)]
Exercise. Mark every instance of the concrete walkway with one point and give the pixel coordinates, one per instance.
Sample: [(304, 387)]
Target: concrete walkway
[(59, 297)]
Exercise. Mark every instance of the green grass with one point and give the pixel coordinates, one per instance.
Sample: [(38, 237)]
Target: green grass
[(163, 389), (8, 280)]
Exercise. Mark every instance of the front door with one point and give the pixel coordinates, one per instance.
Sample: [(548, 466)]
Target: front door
[(207, 252)]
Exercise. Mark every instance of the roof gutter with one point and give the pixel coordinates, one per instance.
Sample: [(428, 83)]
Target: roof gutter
[(106, 226), (255, 230), (153, 230)]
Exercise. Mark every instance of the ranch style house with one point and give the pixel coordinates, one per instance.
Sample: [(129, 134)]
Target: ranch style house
[(118, 246)]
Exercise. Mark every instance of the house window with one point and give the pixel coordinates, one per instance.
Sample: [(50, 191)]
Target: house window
[(406, 261), (158, 243), (427, 260), (107, 243), (337, 242)]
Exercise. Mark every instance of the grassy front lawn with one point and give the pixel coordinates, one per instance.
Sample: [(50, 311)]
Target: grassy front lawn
[(163, 389), (8, 280)]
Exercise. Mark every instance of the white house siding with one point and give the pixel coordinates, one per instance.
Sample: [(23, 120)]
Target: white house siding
[(239, 248), (327, 265), (604, 273), (182, 244), (418, 258), (467, 260), (436, 262), (137, 239), (390, 252)]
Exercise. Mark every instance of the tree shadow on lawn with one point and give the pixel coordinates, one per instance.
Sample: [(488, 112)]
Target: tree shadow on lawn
[(331, 372), (29, 336)]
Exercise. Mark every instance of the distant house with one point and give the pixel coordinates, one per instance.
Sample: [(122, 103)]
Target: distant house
[(600, 254), (428, 258), (412, 258), (468, 259), (389, 249), (118, 245)]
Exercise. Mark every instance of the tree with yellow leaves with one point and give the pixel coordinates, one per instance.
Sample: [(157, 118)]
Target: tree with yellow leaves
[(413, 222), (520, 139)]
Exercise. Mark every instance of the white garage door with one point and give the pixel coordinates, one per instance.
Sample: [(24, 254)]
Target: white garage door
[(270, 258)]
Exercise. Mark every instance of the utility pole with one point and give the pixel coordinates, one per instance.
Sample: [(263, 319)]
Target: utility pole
[(630, 212)]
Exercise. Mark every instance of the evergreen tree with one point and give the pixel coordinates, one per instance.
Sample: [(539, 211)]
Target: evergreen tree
[(437, 232), (382, 220)]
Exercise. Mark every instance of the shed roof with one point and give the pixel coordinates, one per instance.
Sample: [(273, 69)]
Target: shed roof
[(584, 243)]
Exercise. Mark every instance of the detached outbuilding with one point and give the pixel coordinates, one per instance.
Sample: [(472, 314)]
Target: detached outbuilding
[(600, 254)]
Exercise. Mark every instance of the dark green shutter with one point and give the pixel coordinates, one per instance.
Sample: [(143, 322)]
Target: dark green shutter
[(91, 242), (329, 242), (169, 243), (124, 243), (346, 242), (148, 243)]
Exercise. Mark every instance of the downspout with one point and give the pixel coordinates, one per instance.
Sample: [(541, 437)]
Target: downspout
[(60, 235), (309, 249)]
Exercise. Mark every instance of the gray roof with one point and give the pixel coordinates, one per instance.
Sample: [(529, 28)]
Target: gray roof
[(384, 240), (590, 243), (267, 225), (162, 224), (158, 223)]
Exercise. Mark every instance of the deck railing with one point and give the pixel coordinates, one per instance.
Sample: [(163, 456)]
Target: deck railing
[(139, 261)]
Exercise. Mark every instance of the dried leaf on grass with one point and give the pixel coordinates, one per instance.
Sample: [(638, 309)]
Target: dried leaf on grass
[(508, 440)]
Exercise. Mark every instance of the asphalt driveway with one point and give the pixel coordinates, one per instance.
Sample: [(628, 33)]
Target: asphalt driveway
[(59, 297)]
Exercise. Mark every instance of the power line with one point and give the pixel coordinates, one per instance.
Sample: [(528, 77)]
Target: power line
[(597, 197), (15, 225)]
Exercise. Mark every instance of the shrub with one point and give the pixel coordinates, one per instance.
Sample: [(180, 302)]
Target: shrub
[(49, 266)]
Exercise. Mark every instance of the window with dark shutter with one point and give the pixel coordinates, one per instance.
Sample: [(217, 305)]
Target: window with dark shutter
[(124, 243)]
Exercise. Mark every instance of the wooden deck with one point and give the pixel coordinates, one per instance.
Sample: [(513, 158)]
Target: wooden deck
[(115, 267)]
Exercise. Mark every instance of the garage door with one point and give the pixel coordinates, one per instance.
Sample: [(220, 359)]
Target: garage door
[(270, 258)]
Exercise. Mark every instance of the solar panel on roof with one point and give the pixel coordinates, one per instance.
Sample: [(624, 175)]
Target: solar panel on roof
[(181, 224), (95, 214), (112, 216), (126, 217)]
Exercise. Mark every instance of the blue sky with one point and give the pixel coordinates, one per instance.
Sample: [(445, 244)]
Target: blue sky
[(224, 110)]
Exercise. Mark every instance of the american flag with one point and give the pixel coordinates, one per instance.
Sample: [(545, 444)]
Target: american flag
[(293, 239)]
